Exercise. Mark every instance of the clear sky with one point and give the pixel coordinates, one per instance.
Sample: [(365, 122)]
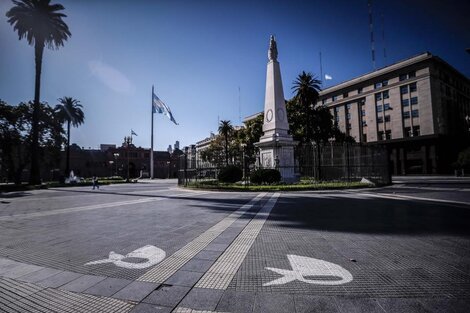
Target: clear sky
[(198, 54)]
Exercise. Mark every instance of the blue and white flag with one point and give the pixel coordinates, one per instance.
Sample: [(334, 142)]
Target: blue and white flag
[(160, 107), (157, 104), (133, 133)]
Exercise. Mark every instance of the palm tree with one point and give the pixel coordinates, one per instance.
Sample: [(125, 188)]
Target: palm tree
[(306, 88), (69, 110), (225, 129), (41, 24)]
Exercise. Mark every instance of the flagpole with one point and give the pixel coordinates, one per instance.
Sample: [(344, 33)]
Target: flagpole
[(151, 139)]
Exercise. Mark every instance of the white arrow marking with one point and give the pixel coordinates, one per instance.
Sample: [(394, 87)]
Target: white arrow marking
[(306, 267), (153, 255)]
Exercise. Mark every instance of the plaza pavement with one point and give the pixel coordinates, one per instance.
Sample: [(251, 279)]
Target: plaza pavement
[(404, 248)]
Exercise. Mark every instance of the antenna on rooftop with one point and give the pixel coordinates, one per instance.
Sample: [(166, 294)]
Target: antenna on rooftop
[(371, 28), (383, 37), (321, 72), (239, 106)]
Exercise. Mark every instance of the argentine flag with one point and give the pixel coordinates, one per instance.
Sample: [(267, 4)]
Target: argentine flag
[(160, 107)]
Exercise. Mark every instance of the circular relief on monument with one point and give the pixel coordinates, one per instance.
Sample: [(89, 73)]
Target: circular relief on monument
[(280, 115), (269, 115)]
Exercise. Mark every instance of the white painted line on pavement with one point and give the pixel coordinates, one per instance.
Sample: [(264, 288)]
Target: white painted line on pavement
[(89, 207), (404, 198), (224, 269), (162, 271)]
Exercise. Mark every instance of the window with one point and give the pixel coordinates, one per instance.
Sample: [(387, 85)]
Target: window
[(387, 118), (385, 83), (334, 98), (380, 119), (408, 132), (387, 106), (364, 137), (363, 112), (412, 87), (336, 118), (323, 101), (359, 91), (345, 95), (415, 113), (385, 94), (403, 77), (348, 106), (403, 89), (405, 102), (411, 74), (377, 85), (348, 126), (379, 108), (348, 116), (380, 135), (364, 123), (378, 96), (406, 114), (337, 109), (416, 130), (388, 134), (414, 100)]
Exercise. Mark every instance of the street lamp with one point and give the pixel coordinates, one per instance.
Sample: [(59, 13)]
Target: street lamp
[(116, 155), (168, 165), (128, 142)]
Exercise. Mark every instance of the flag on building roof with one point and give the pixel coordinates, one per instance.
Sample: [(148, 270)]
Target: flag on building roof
[(328, 77), (133, 133)]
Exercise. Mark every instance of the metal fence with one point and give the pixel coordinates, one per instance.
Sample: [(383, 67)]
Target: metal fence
[(329, 162)]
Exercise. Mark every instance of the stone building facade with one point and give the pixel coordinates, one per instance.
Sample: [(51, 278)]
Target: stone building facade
[(419, 108)]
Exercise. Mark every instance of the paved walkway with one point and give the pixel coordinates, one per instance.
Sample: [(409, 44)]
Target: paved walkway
[(157, 248)]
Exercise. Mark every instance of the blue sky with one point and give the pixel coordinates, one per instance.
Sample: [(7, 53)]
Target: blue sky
[(199, 53)]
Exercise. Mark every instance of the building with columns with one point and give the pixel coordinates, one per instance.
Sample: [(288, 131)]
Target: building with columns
[(418, 108)]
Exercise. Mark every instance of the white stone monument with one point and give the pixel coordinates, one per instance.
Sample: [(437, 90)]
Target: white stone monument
[(276, 145)]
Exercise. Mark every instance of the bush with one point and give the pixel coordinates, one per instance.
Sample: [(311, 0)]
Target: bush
[(265, 176), (230, 174)]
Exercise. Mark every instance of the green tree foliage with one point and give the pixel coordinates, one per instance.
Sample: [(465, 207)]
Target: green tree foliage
[(463, 159), (226, 129), (69, 110), (41, 24), (309, 122), (16, 123)]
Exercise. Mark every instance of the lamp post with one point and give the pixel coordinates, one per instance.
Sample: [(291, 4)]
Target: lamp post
[(128, 142), (243, 146), (116, 155), (168, 164)]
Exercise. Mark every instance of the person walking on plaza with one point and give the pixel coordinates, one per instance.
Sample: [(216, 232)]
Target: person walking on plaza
[(95, 182)]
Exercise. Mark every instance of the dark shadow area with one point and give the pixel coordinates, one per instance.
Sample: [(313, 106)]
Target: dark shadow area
[(15, 195), (371, 216)]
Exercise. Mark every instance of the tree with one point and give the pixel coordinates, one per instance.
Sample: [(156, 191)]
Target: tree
[(302, 107), (16, 136), (69, 110), (41, 24), (225, 129)]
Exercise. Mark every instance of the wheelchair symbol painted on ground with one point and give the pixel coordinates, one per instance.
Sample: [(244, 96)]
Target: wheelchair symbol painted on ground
[(305, 269), (152, 254)]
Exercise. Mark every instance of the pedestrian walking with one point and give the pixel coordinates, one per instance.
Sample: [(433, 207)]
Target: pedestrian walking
[(95, 183)]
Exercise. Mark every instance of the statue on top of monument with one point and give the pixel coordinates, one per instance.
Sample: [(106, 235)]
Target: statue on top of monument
[(272, 53)]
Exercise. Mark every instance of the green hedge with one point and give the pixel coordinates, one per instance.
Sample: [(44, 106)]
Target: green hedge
[(230, 174), (265, 176)]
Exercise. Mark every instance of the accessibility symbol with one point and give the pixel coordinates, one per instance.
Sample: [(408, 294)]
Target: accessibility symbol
[(152, 254), (311, 271)]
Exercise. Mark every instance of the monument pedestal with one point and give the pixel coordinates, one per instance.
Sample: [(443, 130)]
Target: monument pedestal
[(278, 153)]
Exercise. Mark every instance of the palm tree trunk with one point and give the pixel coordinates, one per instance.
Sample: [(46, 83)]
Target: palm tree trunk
[(67, 161), (35, 177), (226, 150)]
